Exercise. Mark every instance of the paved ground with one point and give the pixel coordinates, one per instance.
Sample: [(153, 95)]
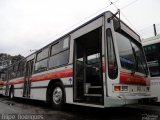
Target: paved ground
[(38, 110)]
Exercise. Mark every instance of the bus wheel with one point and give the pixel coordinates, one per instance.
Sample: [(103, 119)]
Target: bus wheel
[(11, 93), (57, 96)]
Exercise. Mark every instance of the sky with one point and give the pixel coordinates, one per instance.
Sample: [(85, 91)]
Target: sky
[(28, 25)]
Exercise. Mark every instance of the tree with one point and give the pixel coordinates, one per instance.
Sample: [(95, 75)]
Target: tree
[(7, 60), (16, 58)]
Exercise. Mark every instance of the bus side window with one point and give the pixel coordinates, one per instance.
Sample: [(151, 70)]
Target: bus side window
[(41, 61), (59, 54), (112, 63)]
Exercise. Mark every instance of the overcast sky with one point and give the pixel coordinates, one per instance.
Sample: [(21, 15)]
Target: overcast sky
[(31, 24)]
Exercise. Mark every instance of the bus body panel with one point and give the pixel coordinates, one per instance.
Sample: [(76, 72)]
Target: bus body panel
[(155, 87)]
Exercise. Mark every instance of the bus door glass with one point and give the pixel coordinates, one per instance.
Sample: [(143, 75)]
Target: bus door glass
[(27, 79), (111, 62)]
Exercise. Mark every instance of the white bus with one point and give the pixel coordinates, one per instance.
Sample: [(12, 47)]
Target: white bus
[(99, 64), (152, 52)]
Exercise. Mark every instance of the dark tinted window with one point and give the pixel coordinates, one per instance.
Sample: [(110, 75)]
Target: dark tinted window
[(112, 63), (152, 53)]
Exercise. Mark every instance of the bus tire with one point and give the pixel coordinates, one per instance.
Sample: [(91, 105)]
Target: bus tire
[(11, 93), (57, 96)]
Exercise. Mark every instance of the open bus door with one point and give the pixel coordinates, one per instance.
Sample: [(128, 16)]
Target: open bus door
[(88, 80), (27, 78)]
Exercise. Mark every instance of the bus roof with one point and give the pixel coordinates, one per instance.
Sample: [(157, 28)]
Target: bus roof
[(151, 40)]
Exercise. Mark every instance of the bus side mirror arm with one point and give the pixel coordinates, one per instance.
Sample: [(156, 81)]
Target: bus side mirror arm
[(114, 16)]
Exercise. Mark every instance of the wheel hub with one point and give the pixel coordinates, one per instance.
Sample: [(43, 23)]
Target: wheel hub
[(57, 95)]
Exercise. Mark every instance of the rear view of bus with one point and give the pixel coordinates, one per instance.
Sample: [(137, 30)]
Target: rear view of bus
[(127, 73)]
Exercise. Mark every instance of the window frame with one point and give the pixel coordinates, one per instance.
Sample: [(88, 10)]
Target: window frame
[(38, 61), (139, 46), (41, 52), (58, 43), (63, 50)]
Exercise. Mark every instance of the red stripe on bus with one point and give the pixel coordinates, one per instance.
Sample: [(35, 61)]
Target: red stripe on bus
[(53, 75), (1, 83), (125, 78), (47, 76), (16, 81), (128, 78)]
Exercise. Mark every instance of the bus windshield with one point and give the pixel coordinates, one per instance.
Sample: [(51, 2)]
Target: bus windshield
[(131, 54)]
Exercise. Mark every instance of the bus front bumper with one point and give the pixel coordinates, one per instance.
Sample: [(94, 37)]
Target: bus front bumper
[(124, 100)]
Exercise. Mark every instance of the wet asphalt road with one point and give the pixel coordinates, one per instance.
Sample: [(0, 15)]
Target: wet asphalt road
[(20, 107)]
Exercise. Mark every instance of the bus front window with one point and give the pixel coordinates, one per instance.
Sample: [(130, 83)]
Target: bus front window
[(131, 55), (140, 59)]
